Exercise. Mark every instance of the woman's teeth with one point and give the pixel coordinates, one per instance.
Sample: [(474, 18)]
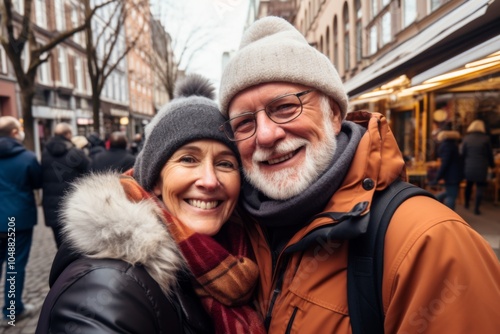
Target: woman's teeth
[(202, 204)]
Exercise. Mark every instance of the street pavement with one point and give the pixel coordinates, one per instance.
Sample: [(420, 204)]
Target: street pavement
[(36, 284), (44, 249)]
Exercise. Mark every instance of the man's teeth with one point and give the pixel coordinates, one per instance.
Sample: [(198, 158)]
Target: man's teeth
[(283, 158), (202, 204)]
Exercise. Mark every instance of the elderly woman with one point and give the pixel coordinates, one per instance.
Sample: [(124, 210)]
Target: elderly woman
[(159, 250)]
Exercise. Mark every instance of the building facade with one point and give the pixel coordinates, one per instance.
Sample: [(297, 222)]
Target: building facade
[(8, 96), (62, 92), (140, 73), (162, 63)]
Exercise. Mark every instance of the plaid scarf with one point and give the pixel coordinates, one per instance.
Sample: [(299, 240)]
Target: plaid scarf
[(224, 275)]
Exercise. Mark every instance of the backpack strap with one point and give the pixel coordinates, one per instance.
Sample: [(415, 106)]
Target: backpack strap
[(366, 259)]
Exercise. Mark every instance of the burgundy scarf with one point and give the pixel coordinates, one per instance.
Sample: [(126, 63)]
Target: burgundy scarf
[(224, 275)]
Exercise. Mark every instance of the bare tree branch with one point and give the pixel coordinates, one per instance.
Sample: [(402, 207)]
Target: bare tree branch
[(102, 64), (37, 54)]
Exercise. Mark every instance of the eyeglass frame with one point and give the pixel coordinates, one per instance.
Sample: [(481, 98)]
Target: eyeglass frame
[(298, 95)]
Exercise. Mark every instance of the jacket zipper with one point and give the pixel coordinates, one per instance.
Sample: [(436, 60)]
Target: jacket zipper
[(292, 318), (276, 292)]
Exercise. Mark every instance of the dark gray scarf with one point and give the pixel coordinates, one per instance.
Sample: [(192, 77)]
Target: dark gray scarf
[(293, 213)]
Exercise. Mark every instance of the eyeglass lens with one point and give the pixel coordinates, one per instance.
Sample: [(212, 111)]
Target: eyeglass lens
[(280, 110)]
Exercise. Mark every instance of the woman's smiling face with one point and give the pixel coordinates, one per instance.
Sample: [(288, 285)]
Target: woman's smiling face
[(200, 184)]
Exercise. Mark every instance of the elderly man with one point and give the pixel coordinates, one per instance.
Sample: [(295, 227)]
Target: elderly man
[(309, 167), (62, 163), (20, 174)]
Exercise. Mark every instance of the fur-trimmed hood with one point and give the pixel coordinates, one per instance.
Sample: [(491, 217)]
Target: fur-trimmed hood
[(100, 222), (449, 134)]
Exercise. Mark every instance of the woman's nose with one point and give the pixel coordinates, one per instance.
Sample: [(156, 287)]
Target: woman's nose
[(208, 178)]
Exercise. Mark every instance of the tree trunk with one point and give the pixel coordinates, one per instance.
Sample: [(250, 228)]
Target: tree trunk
[(96, 106), (27, 94)]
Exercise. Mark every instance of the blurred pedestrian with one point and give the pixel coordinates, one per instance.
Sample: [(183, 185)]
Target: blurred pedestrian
[(137, 144), (451, 167), (20, 175), (62, 163), (96, 145), (82, 143), (117, 158), (478, 156)]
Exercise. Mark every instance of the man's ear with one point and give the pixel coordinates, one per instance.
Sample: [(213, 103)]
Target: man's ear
[(336, 115)]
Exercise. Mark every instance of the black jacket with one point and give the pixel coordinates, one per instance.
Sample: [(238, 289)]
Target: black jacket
[(114, 159), (62, 163), (112, 296), (478, 156), (451, 168), (119, 271)]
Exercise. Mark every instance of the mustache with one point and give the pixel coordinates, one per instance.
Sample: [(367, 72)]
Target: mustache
[(263, 154)]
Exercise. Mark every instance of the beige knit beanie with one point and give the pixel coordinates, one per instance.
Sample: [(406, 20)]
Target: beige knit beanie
[(272, 50)]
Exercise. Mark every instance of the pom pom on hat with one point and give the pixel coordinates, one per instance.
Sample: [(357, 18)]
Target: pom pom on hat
[(272, 50), (191, 115)]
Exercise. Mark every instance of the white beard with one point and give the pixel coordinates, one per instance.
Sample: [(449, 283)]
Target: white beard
[(291, 181)]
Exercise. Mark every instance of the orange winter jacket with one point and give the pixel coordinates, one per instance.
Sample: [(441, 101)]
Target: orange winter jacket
[(440, 276)]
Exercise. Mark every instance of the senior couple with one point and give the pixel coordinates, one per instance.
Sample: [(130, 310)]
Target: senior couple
[(174, 245)]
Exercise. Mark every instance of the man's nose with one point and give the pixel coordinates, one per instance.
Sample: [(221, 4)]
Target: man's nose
[(267, 132)]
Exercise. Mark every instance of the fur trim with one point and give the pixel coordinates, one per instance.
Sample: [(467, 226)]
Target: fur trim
[(444, 135), (100, 222)]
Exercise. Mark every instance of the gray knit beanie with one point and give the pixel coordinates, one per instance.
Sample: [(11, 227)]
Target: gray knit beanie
[(191, 115), (272, 50)]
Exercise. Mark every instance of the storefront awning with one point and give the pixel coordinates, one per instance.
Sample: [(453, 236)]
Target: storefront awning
[(480, 51), (386, 67)]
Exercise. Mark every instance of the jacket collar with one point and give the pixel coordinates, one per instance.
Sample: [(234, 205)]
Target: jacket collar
[(100, 222)]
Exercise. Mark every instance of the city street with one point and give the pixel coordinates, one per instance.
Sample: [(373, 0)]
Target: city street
[(43, 251)]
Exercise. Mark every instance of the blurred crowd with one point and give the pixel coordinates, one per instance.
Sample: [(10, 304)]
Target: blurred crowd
[(65, 158)]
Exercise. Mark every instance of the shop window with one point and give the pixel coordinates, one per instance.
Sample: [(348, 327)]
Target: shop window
[(403, 125)]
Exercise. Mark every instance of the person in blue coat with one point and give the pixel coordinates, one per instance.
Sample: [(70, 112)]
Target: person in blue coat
[(20, 175)]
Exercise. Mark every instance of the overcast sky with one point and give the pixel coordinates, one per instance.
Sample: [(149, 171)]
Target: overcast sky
[(213, 26)]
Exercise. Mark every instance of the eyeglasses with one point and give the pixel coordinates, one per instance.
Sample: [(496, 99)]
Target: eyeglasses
[(281, 110)]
